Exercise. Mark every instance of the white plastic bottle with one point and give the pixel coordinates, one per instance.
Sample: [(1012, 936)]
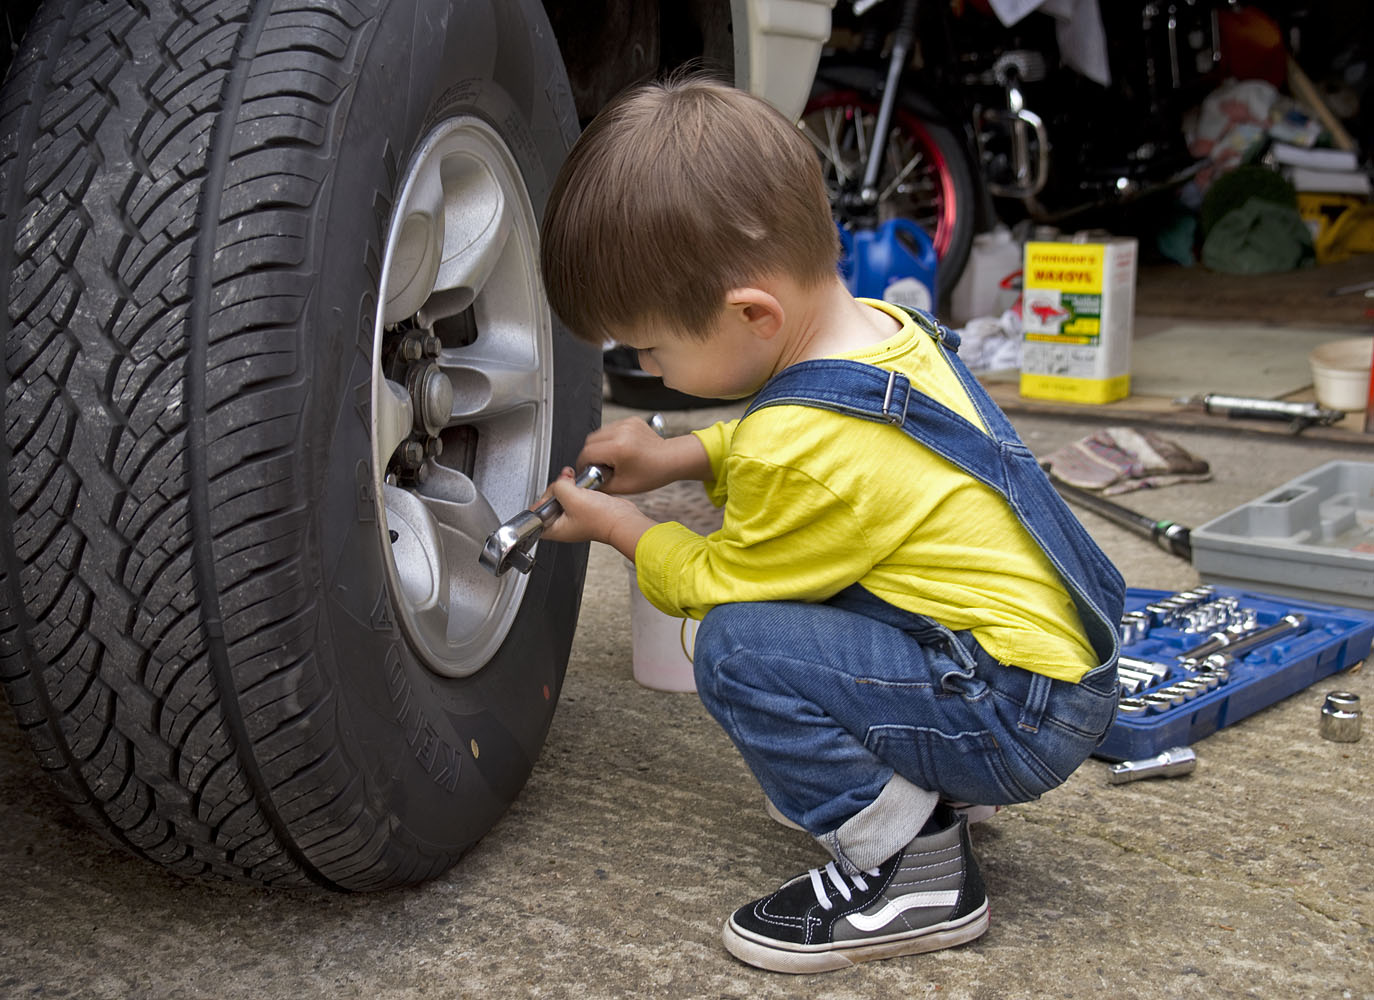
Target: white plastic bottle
[(991, 282)]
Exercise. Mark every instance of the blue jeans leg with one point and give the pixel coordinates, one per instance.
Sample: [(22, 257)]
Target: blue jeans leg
[(826, 702)]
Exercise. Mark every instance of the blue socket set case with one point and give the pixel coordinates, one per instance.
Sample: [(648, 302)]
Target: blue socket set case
[(1195, 661)]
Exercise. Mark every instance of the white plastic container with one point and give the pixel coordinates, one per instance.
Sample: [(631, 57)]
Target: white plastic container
[(661, 644), (991, 282), (1340, 372)]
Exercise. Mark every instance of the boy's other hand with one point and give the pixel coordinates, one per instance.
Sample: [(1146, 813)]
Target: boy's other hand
[(641, 459), (589, 515)]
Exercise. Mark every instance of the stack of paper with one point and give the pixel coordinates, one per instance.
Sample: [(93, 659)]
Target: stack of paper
[(1321, 170)]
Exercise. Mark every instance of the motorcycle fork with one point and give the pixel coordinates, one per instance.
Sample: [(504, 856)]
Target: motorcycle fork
[(902, 41)]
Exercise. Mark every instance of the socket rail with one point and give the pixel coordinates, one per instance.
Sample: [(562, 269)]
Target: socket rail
[(1197, 661)]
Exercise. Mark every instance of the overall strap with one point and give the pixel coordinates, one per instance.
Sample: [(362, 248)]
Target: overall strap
[(996, 457), (872, 393)]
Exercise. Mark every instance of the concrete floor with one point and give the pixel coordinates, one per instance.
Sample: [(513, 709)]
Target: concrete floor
[(641, 829)]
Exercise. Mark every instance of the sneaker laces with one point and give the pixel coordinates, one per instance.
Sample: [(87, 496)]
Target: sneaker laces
[(838, 881)]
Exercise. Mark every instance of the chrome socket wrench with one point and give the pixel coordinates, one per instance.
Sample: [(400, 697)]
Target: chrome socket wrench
[(1134, 681), (1170, 764), (1162, 701), (1229, 645), (511, 546)]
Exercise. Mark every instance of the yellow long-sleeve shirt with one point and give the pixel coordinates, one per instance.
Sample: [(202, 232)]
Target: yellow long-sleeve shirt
[(816, 501)]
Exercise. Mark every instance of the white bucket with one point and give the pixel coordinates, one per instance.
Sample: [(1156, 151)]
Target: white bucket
[(1340, 372), (662, 645)]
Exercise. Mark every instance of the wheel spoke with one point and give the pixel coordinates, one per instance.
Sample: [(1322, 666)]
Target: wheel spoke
[(462, 513), (834, 125), (902, 174), (823, 147), (415, 258), (485, 387), (478, 224), (416, 549), (395, 418), (859, 136)]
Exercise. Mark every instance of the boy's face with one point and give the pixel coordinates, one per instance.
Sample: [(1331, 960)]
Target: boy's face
[(731, 362)]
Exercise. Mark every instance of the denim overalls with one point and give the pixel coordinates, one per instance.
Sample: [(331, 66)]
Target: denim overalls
[(827, 701)]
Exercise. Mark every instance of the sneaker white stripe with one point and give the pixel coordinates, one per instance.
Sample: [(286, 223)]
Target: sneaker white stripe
[(895, 908)]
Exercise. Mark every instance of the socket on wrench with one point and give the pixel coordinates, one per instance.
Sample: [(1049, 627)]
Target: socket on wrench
[(511, 545)]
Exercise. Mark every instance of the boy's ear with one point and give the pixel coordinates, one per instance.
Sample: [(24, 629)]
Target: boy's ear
[(756, 309)]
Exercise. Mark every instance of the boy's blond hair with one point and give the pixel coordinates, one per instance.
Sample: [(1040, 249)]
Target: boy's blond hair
[(676, 193)]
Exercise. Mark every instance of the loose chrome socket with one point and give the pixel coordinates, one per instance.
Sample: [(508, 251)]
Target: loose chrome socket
[(1340, 718)]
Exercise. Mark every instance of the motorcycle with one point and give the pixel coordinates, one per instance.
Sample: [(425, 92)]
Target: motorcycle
[(939, 113)]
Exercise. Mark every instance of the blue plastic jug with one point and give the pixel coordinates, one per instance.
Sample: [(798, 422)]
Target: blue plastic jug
[(895, 262)]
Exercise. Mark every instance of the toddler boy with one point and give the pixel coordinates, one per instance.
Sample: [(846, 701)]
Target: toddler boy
[(899, 612)]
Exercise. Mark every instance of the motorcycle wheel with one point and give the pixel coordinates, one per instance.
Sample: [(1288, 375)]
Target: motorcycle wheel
[(277, 356), (926, 176)]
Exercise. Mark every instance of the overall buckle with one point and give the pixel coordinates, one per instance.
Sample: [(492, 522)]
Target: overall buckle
[(891, 415)]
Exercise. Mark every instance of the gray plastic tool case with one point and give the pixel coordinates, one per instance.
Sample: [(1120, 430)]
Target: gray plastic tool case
[(1312, 538)]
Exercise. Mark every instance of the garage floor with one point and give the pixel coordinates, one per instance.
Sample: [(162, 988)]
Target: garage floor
[(641, 829)]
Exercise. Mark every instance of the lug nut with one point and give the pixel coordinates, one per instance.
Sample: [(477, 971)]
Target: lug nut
[(411, 455)]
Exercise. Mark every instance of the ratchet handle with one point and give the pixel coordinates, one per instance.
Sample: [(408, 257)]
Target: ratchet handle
[(593, 477)]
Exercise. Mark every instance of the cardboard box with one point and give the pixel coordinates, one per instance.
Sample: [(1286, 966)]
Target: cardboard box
[(1077, 308)]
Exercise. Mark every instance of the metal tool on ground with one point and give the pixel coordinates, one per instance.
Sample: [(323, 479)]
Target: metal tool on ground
[(1367, 287), (1171, 537), (1340, 718), (1171, 763), (511, 545), (1300, 416)]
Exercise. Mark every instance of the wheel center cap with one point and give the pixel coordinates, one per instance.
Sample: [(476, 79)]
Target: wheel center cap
[(431, 394)]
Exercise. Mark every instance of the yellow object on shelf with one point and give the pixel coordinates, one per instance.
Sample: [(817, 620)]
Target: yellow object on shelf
[(1077, 309), (1342, 224)]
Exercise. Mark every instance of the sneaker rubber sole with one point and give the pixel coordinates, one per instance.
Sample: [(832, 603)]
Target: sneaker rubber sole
[(778, 957)]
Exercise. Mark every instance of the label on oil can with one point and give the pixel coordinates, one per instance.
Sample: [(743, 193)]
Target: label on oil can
[(1077, 304)]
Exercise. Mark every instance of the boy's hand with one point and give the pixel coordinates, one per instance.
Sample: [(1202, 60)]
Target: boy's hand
[(590, 515), (641, 459)]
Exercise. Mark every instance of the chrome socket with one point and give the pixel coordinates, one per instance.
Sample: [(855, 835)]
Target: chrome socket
[(1183, 689), (1340, 718), (1157, 670), (1162, 701)]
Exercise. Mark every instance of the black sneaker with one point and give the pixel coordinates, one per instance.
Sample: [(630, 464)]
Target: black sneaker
[(927, 896)]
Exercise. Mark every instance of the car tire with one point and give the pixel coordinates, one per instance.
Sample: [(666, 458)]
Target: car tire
[(250, 455)]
